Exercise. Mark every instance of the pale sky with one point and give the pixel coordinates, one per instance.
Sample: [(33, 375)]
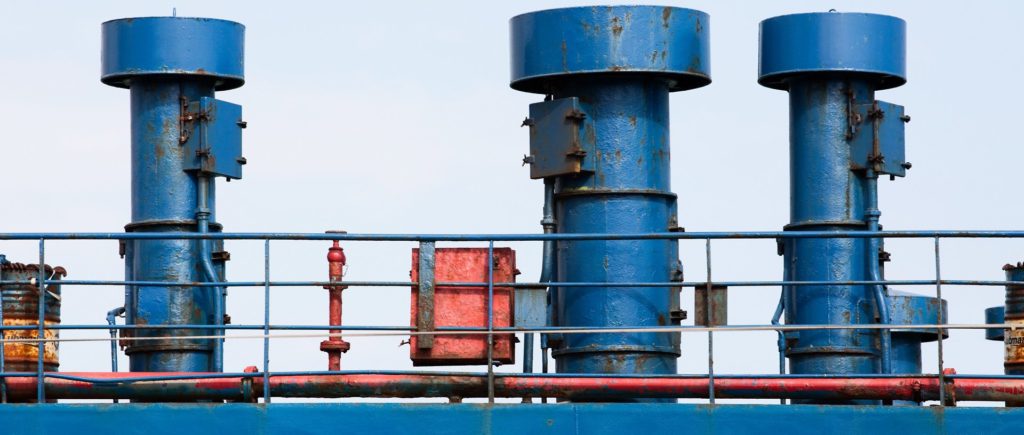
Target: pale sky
[(376, 117)]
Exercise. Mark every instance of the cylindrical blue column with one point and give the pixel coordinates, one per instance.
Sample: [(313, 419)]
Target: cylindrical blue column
[(827, 196), (829, 62), (167, 63), (620, 63)]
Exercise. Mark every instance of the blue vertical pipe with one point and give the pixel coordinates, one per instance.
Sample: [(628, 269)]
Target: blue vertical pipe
[(621, 62), (829, 62), (167, 62), (547, 222), (878, 291)]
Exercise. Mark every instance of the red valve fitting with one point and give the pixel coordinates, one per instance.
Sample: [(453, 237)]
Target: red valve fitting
[(334, 346)]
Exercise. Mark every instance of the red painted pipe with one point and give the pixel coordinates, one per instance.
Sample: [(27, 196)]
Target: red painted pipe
[(335, 346), (578, 388)]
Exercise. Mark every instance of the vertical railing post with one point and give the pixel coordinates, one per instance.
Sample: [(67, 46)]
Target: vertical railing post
[(425, 321), (710, 324), (942, 321), (41, 303), (266, 321), (490, 321), (3, 338)]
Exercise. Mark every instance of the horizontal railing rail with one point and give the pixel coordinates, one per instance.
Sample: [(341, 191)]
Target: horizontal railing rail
[(878, 386)]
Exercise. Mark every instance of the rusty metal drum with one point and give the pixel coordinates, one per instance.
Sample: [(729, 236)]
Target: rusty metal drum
[(21, 308)]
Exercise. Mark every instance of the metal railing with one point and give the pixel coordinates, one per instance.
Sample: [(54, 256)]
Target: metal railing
[(266, 328)]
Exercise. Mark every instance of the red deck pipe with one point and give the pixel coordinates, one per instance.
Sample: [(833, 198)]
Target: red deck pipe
[(335, 346), (426, 385)]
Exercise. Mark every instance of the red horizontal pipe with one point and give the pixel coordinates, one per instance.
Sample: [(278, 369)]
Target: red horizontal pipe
[(426, 385)]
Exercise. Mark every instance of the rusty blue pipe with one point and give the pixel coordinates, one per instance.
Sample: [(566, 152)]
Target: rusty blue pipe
[(168, 63), (878, 291), (547, 222), (209, 270), (607, 73), (830, 63)]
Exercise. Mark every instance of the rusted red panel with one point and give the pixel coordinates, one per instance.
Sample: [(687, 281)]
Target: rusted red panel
[(466, 307)]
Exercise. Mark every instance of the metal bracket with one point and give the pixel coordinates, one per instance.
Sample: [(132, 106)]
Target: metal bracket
[(211, 132), (562, 139), (881, 147), (715, 314), (531, 307), (950, 393), (425, 297)]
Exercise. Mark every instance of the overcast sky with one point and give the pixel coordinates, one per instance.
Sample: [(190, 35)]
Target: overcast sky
[(375, 117)]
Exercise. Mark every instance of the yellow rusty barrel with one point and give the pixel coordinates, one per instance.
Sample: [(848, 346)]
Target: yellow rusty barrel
[(21, 308)]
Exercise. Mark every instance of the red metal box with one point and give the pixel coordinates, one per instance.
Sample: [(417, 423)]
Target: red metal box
[(465, 307)]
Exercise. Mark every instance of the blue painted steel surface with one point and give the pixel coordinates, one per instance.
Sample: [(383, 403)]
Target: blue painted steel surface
[(579, 418), (559, 139), (890, 121), (995, 315), (826, 195), (167, 63), (910, 309), (173, 48), (506, 237), (831, 63), (620, 63), (665, 43), (869, 46)]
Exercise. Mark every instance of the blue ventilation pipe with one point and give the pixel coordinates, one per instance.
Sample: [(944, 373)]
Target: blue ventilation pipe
[(172, 66), (602, 135), (831, 64)]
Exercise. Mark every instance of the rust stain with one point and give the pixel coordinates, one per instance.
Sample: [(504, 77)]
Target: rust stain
[(565, 57), (666, 13), (632, 121), (1014, 343), (29, 352), (616, 27)]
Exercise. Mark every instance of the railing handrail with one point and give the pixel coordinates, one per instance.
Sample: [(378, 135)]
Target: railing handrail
[(714, 235)]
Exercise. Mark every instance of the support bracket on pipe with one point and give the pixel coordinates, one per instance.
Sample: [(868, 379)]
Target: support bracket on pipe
[(710, 310), (212, 136), (562, 139), (883, 144)]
